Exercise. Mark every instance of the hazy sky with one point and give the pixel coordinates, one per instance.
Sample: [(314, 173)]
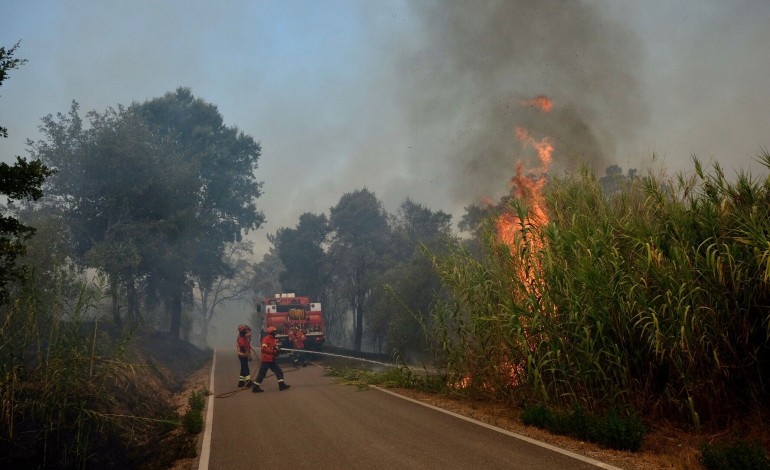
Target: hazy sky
[(417, 98)]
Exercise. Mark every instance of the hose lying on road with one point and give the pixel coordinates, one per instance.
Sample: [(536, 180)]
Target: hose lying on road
[(240, 389), (248, 385), (338, 355)]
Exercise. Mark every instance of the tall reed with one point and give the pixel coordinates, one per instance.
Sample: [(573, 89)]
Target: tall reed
[(654, 297), (63, 385)]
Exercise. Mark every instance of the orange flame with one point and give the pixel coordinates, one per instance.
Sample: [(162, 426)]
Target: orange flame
[(527, 186), (541, 102)]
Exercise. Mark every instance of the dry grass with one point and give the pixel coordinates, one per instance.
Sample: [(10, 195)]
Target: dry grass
[(198, 380)]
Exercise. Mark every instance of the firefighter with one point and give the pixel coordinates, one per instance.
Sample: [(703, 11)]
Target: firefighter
[(270, 351), (243, 344), (298, 338)]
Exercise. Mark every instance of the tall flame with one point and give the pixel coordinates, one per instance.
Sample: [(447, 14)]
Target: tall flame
[(525, 185), (528, 185)]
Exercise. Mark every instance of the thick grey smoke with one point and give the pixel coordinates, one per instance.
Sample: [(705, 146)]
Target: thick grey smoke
[(415, 98), (466, 79)]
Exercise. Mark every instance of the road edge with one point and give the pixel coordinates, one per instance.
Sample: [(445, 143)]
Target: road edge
[(553, 448)]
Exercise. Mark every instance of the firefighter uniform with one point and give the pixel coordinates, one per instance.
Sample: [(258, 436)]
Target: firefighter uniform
[(243, 344), (270, 353), (298, 338)]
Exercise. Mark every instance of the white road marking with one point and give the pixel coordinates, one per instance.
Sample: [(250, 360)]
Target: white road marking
[(506, 432), (203, 463)]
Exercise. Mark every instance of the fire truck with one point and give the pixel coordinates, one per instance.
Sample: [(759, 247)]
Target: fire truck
[(286, 310)]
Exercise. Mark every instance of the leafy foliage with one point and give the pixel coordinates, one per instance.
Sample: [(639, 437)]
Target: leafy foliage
[(737, 454), (20, 181), (152, 193), (615, 430), (192, 421), (393, 377), (71, 393), (301, 251), (358, 249), (653, 297)]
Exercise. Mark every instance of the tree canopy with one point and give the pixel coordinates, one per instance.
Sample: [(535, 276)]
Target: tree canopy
[(20, 181), (152, 193)]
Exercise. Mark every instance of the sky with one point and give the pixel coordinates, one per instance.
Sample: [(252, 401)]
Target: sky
[(412, 98)]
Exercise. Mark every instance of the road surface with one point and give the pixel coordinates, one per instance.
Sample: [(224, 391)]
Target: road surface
[(319, 424)]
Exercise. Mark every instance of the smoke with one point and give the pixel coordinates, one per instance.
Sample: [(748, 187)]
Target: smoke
[(466, 77)]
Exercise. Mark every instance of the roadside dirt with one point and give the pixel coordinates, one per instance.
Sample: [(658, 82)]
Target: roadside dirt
[(196, 381)]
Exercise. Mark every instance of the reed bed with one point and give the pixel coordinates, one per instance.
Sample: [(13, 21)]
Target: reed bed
[(653, 298), (70, 395)]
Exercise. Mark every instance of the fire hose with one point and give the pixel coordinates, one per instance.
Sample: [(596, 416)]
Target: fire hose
[(233, 392), (337, 355)]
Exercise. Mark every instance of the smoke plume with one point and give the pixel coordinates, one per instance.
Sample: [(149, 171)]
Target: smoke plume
[(467, 77)]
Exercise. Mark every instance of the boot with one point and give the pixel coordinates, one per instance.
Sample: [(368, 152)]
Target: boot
[(256, 388), (283, 386), (241, 383)]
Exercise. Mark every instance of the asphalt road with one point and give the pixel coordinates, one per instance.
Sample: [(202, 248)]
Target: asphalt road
[(319, 424)]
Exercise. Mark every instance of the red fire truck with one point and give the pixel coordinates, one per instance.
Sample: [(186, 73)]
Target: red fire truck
[(287, 310)]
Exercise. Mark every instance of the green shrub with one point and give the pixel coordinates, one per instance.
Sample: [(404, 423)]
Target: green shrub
[(538, 416), (192, 421), (620, 432), (392, 377), (197, 400), (169, 421), (734, 455), (613, 430)]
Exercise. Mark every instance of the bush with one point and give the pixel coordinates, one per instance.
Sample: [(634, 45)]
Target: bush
[(613, 430), (734, 455), (197, 400), (192, 421), (538, 416)]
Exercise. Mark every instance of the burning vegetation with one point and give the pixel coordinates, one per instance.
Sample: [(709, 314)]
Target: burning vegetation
[(650, 300)]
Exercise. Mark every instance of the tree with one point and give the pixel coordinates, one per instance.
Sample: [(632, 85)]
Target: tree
[(301, 251), (222, 206), (360, 242), (112, 190), (614, 180), (400, 305), (265, 275), (228, 287), (153, 193), (21, 181)]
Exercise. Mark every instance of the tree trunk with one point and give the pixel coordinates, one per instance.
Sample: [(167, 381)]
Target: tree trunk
[(205, 316), (115, 294), (133, 302), (175, 309), (359, 322)]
